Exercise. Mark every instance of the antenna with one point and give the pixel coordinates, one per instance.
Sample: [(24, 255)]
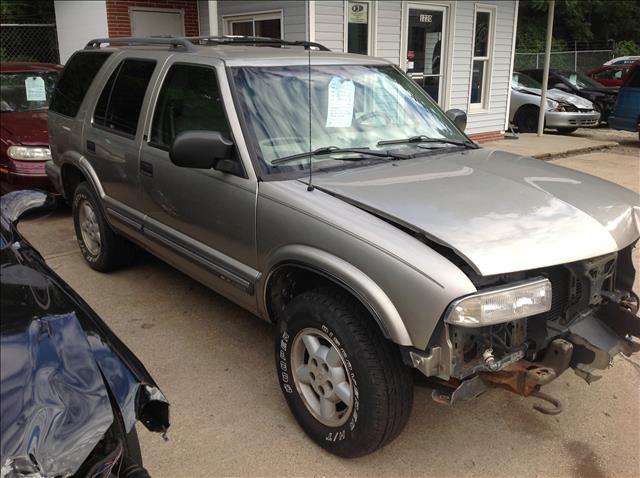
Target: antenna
[(310, 186)]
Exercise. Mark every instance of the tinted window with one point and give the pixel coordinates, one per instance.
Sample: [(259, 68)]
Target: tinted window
[(121, 100), (189, 100), (634, 80), (78, 74)]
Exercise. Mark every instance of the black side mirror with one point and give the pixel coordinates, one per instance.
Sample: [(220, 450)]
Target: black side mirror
[(458, 117), (200, 149), (27, 202)]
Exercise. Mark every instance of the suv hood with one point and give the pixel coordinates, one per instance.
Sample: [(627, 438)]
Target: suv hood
[(500, 212)]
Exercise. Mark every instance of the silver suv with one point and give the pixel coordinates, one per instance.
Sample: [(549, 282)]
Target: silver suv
[(328, 194)]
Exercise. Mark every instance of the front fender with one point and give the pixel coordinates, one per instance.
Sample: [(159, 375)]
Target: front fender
[(346, 275)]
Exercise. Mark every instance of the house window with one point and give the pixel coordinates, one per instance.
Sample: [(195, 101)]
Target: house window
[(358, 27), (258, 25), (482, 52)]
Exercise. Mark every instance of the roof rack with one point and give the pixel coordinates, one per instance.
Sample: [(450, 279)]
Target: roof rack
[(252, 40), (176, 43)]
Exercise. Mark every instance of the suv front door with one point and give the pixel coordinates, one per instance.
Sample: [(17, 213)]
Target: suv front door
[(201, 220)]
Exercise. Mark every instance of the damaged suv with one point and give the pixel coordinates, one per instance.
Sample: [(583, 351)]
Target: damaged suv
[(328, 194)]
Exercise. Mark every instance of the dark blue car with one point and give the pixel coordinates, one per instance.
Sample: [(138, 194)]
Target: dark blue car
[(626, 115), (70, 391)]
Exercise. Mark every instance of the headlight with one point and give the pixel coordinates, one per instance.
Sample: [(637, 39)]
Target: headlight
[(29, 153), (552, 105), (503, 304)]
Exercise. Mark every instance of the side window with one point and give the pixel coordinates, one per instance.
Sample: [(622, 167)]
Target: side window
[(189, 100), (121, 99), (76, 78)]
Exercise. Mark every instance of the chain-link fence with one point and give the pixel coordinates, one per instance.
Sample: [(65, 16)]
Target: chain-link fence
[(582, 61), (29, 42)]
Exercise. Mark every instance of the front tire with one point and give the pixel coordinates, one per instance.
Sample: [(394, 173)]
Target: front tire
[(344, 382), (100, 246), (527, 119)]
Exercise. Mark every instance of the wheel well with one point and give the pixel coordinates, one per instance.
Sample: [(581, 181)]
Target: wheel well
[(289, 281), (71, 177)]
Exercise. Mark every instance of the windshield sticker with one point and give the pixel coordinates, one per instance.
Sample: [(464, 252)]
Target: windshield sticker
[(340, 103), (35, 89)]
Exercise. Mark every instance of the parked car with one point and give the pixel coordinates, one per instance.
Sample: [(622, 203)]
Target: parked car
[(328, 194), (25, 91), (581, 85), (610, 75), (626, 115), (563, 111), (622, 60), (70, 390)]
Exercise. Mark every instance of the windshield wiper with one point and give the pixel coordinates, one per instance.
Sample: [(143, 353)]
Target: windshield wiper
[(334, 149), (425, 139)]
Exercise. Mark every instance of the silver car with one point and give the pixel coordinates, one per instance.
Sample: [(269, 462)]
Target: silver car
[(563, 111), (328, 194)]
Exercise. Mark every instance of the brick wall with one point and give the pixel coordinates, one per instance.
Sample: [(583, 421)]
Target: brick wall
[(120, 25), (488, 136)]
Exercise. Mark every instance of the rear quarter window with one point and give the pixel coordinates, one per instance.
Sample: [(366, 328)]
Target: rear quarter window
[(76, 78), (120, 102)]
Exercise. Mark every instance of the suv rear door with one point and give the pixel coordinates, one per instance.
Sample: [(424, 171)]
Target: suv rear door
[(113, 131), (202, 218)]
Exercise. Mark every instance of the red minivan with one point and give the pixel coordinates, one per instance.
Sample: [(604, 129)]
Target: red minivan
[(25, 91)]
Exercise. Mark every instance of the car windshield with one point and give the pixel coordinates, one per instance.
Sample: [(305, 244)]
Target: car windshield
[(520, 80), (352, 106), (26, 91), (579, 80)]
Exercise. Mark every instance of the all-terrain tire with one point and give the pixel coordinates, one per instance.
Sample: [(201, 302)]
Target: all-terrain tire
[(382, 384), (113, 251), (527, 119)]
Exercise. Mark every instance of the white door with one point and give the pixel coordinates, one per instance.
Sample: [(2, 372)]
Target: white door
[(145, 23), (426, 47)]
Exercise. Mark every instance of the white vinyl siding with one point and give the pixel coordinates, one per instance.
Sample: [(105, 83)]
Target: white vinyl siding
[(330, 24), (389, 30), (493, 118)]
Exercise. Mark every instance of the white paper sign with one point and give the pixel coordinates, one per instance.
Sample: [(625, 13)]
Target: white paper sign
[(358, 12), (340, 103), (35, 89)]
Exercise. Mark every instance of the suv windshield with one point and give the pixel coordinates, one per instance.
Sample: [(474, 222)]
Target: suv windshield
[(579, 80), (21, 92), (520, 80), (352, 106)]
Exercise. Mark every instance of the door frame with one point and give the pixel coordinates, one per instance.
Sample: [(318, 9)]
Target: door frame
[(448, 10)]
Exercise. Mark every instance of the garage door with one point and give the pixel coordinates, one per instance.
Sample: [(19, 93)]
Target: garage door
[(146, 23)]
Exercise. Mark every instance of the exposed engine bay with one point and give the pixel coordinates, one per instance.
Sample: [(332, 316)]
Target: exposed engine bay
[(592, 318)]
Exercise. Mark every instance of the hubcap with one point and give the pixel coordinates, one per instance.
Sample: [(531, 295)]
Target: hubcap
[(89, 227), (321, 377)]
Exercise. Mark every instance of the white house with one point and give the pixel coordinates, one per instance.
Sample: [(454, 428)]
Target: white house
[(461, 52)]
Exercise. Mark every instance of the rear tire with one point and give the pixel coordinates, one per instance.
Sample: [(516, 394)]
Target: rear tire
[(360, 397), (101, 247), (527, 119), (566, 130)]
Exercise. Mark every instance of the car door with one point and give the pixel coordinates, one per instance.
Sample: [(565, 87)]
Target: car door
[(112, 136), (202, 220)]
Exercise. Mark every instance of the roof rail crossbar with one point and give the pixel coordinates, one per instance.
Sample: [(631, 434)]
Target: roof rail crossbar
[(251, 40), (174, 42)]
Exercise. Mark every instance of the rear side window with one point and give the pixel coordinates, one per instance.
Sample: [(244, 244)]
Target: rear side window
[(78, 74), (189, 100), (118, 108)]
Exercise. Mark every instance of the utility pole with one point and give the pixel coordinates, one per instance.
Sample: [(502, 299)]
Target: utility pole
[(545, 73)]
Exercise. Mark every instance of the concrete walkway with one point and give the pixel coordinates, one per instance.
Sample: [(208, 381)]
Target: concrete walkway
[(549, 145)]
